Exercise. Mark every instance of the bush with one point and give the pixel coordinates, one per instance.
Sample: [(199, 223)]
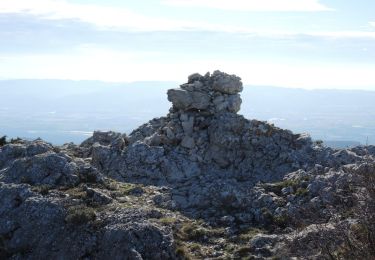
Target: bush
[(78, 215), (367, 216), (182, 253), (4, 253), (42, 189), (16, 140), (249, 234), (359, 238), (301, 192), (243, 252), (281, 221), (167, 220), (191, 231), (3, 140)]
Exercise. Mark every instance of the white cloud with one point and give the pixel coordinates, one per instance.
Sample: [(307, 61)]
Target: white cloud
[(344, 34), (84, 63), (372, 24), (102, 16), (106, 17), (91, 63), (280, 35), (254, 5), (124, 19)]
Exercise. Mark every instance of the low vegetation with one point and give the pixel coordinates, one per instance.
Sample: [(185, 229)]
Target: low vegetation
[(80, 214), (3, 140), (247, 235), (359, 238), (42, 189)]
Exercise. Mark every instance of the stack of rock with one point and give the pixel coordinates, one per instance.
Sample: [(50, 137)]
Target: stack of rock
[(200, 139), (204, 130), (203, 150), (196, 103), (208, 94)]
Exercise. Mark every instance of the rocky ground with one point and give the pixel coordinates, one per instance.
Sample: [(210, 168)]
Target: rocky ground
[(200, 183)]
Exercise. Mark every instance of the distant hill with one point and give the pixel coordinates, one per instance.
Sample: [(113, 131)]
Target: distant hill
[(62, 110), (333, 115)]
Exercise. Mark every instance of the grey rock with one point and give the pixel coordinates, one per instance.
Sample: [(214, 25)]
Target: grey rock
[(287, 190), (48, 168), (217, 93), (98, 196), (188, 126), (200, 100), (44, 168), (103, 138), (185, 100), (263, 240), (170, 134), (188, 142), (225, 83), (31, 221), (195, 77), (180, 98), (136, 241), (234, 103)]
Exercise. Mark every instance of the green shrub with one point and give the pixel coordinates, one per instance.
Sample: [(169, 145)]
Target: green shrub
[(281, 221), (3, 140), (26, 180), (195, 247), (249, 234), (243, 252), (42, 189), (167, 220), (302, 192), (191, 231), (182, 252), (287, 183), (4, 253), (80, 214), (16, 140), (267, 216), (127, 187)]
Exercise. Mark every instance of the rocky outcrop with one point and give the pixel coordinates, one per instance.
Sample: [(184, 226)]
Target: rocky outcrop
[(202, 138), (36, 226), (201, 182), (39, 163)]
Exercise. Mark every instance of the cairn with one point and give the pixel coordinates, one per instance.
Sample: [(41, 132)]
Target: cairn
[(208, 94)]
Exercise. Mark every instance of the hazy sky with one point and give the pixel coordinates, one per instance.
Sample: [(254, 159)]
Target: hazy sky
[(292, 43)]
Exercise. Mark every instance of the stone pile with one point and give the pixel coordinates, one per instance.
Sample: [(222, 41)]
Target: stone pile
[(201, 139), (209, 94), (203, 124)]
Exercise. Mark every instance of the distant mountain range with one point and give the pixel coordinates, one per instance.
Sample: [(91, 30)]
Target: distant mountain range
[(62, 111)]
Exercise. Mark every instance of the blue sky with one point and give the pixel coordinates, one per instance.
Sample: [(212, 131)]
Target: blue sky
[(290, 43)]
